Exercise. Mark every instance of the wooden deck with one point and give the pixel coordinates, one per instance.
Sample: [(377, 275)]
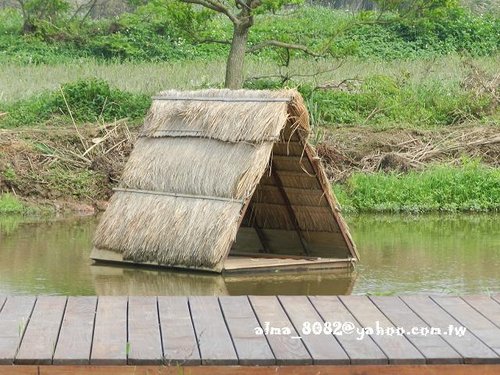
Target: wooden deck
[(217, 335)]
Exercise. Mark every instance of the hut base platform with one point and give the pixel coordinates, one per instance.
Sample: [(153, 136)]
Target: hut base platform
[(243, 262), (247, 335)]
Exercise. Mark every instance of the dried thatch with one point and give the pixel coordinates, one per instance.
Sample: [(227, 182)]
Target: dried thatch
[(209, 161), (209, 158), (229, 121)]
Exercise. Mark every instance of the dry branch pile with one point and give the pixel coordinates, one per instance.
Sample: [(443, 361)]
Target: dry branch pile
[(33, 156), (369, 151)]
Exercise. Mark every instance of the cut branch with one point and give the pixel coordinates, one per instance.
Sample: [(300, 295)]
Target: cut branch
[(277, 43)]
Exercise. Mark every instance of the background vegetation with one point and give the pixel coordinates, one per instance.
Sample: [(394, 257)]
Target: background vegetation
[(380, 69)]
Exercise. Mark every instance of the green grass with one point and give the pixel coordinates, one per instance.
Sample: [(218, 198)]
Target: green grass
[(9, 204), (169, 31), (422, 93), (83, 185), (23, 81), (82, 101), (470, 187)]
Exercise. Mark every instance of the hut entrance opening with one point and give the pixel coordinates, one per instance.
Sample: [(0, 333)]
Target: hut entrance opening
[(289, 221)]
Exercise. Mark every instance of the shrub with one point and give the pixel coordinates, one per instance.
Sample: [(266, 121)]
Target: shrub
[(88, 101), (390, 100), (169, 30)]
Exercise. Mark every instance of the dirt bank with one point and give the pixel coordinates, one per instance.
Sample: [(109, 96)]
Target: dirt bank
[(76, 169)]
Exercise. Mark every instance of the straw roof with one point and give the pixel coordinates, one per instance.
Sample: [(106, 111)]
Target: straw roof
[(208, 162)]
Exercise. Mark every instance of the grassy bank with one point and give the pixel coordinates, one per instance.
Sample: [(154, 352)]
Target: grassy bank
[(9, 204), (424, 93), (469, 187), (24, 81)]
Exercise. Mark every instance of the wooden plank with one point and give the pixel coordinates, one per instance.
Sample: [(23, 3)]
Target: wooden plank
[(110, 333), (13, 320), (323, 347), (247, 241), (268, 370), (293, 163), (216, 347), (397, 348), (361, 351), (434, 348), (481, 327), (42, 332), (18, 370), (287, 348), (291, 212), (327, 244), (284, 242), (75, 339), (288, 148), (244, 264), (145, 347), (468, 346), (251, 349), (270, 256), (486, 306), (180, 345)]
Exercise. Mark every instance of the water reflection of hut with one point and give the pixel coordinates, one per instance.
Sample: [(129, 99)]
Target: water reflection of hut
[(109, 280), (225, 180)]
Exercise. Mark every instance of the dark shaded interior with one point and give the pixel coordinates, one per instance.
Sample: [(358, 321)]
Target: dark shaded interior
[(289, 213)]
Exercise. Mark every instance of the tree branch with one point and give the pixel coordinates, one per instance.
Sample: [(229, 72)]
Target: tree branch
[(215, 6), (202, 41), (276, 43)]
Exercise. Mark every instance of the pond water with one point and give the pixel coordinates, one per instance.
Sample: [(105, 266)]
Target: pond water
[(427, 254)]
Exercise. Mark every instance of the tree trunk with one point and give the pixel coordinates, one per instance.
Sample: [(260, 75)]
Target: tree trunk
[(236, 59)]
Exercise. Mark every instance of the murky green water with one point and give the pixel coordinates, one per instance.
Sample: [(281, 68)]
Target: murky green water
[(428, 254)]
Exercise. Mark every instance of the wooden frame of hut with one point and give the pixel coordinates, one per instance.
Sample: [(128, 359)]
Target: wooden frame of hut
[(224, 181)]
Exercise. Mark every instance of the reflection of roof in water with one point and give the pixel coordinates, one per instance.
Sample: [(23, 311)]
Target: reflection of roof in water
[(111, 280)]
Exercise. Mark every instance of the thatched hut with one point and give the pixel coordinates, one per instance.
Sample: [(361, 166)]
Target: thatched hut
[(224, 180)]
